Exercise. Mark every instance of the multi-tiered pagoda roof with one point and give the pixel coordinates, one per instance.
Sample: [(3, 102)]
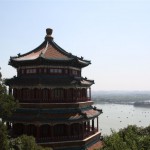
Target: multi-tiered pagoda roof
[(55, 100)]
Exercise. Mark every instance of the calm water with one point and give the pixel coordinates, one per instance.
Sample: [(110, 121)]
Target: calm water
[(116, 116)]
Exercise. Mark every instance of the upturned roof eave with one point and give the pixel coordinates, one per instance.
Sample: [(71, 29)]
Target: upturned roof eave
[(16, 63), (43, 44), (45, 80), (67, 115), (69, 56)]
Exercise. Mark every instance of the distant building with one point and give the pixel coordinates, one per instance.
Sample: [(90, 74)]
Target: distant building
[(55, 100)]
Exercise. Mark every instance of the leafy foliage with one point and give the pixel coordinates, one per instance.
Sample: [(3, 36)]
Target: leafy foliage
[(3, 137), (7, 102), (8, 105), (25, 142), (130, 138)]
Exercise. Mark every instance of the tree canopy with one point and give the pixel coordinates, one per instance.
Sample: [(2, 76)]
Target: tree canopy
[(4, 143), (7, 102), (129, 138)]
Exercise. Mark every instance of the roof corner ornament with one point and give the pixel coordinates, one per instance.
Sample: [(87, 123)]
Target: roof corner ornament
[(100, 110), (48, 36), (19, 54)]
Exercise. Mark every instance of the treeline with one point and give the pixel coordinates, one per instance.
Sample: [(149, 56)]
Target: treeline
[(120, 97), (129, 138)]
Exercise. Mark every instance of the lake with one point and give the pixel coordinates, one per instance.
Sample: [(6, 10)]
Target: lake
[(117, 116)]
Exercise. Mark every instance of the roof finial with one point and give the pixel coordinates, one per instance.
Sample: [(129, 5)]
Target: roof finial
[(49, 31), (48, 37)]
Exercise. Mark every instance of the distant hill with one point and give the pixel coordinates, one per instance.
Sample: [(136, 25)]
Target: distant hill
[(120, 97)]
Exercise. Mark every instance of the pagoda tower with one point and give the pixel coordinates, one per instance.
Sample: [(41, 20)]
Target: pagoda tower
[(55, 100)]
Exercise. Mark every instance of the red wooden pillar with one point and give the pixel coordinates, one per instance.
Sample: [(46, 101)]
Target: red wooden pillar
[(97, 124), (49, 95), (68, 129), (21, 94), (71, 95), (90, 93), (13, 130), (84, 128), (40, 94), (75, 95), (18, 94), (82, 95), (67, 98), (64, 98), (8, 125), (28, 94), (68, 95), (33, 95), (44, 95), (88, 126), (63, 95), (81, 130), (25, 129), (10, 91), (83, 90), (37, 132), (52, 131), (86, 94), (79, 94), (52, 95), (93, 125)]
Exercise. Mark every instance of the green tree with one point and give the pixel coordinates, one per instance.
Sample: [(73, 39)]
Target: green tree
[(8, 104), (130, 138), (3, 137), (25, 142)]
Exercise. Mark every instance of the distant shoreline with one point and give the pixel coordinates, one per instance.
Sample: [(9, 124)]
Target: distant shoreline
[(135, 98), (134, 104)]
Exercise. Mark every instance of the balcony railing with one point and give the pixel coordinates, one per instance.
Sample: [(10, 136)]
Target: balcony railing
[(54, 100), (66, 138)]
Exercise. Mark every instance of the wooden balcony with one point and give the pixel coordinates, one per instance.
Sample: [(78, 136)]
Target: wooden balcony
[(66, 138)]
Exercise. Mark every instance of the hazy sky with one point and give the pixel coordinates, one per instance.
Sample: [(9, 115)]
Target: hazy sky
[(113, 34)]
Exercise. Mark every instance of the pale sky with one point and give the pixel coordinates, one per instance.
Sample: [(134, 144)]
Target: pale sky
[(113, 34)]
